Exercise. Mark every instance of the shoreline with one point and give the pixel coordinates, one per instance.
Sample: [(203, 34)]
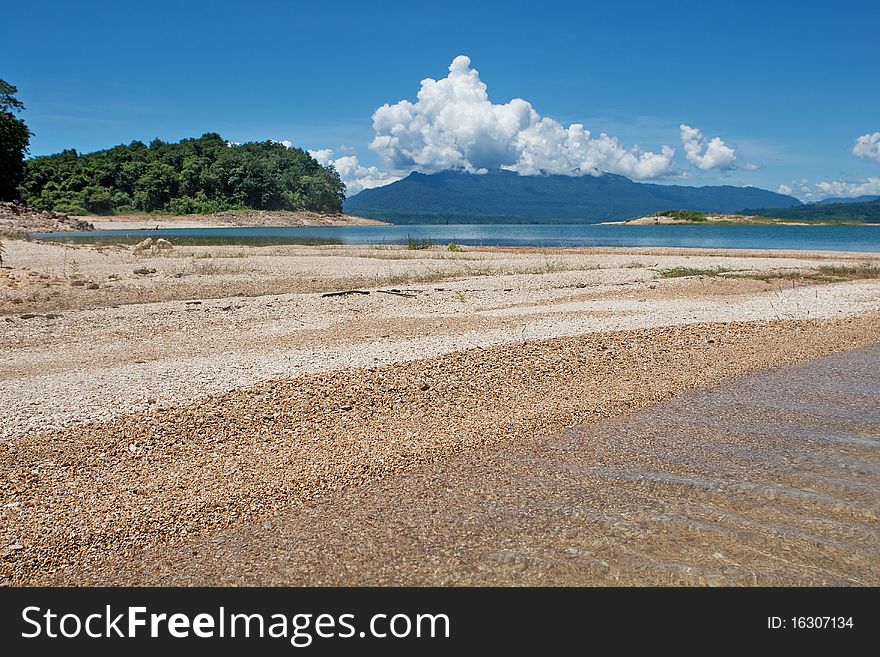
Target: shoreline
[(684, 222), (561, 238), (230, 219), (691, 218)]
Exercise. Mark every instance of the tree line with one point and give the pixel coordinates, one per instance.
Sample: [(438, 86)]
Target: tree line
[(202, 175)]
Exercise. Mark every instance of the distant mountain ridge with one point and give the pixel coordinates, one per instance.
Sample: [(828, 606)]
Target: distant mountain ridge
[(847, 199), (858, 212), (507, 197)]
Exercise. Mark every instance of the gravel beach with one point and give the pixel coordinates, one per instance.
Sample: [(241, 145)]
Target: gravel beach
[(168, 412)]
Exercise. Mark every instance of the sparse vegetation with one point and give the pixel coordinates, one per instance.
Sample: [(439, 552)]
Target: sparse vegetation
[(821, 274), (777, 275), (855, 272), (551, 265), (211, 268), (211, 254), (683, 215), (724, 219), (454, 247), (831, 214), (414, 244), (682, 272)]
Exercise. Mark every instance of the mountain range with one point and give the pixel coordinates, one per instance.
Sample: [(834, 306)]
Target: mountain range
[(507, 197), (851, 212), (847, 199)]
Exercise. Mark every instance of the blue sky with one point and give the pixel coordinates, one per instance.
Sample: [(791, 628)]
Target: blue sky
[(787, 86)]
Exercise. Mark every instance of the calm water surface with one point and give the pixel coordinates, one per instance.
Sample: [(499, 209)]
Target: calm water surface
[(837, 238)]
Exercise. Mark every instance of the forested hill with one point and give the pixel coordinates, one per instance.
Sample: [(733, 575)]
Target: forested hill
[(864, 212), (843, 199), (506, 197), (205, 175)]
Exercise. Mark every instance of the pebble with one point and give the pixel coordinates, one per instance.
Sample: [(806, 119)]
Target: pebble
[(292, 437)]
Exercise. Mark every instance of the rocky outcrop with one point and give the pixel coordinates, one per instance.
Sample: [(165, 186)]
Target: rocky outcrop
[(148, 246), (17, 220)]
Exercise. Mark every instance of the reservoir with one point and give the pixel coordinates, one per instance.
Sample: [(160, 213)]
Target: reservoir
[(788, 237)]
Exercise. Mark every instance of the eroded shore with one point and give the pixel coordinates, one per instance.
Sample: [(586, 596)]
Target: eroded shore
[(229, 219)]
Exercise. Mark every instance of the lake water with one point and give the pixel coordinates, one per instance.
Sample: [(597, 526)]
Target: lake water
[(837, 238)]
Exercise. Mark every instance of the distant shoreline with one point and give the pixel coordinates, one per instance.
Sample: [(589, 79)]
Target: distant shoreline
[(728, 220), (230, 219)]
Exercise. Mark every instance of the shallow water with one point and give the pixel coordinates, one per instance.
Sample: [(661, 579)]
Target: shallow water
[(837, 238), (772, 478)]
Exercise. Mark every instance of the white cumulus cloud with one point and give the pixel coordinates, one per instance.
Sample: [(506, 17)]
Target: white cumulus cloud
[(355, 176), (706, 154), (323, 155), (454, 125), (843, 188), (868, 146), (808, 192)]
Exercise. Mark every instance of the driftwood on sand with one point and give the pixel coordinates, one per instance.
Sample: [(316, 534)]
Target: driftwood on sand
[(344, 292), (397, 293)]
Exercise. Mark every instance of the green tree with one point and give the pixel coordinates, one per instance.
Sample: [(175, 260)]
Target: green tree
[(203, 175), (14, 140), (155, 188), (98, 200)]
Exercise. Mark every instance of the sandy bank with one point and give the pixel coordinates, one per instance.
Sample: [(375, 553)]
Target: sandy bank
[(50, 277), (234, 218)]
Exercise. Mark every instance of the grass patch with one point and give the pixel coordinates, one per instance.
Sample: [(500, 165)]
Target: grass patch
[(209, 254), (683, 215), (849, 273), (821, 274), (417, 245), (683, 272), (454, 247), (768, 276), (207, 269)]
